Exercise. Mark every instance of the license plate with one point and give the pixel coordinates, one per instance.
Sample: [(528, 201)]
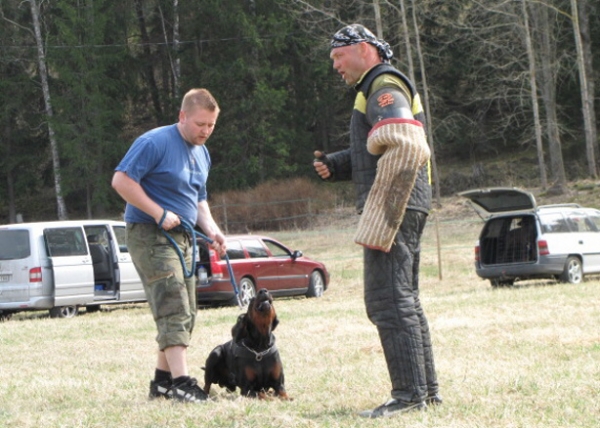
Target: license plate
[(4, 278)]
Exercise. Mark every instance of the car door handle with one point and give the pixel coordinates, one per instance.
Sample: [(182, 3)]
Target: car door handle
[(580, 242)]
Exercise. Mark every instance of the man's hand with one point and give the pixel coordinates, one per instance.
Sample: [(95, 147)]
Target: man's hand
[(219, 244), (321, 165), (133, 193), (170, 221)]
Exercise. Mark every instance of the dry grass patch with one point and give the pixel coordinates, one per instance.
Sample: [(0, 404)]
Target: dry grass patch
[(516, 357)]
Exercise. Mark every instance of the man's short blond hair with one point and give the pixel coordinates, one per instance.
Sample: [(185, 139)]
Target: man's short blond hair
[(199, 98)]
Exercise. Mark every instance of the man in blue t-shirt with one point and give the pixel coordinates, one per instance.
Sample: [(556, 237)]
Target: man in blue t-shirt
[(163, 180)]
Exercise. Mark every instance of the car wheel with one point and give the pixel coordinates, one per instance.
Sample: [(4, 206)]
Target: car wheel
[(497, 283), (247, 290), (316, 285), (64, 311), (573, 272)]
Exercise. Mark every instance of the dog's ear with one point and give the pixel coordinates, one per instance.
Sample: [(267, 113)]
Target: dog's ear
[(240, 329)]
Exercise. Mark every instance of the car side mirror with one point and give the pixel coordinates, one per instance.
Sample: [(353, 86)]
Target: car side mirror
[(296, 254)]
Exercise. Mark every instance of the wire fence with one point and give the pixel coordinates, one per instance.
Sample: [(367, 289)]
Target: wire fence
[(306, 221), (307, 213), (272, 215)]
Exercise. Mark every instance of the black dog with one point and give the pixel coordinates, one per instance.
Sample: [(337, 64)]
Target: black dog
[(250, 360)]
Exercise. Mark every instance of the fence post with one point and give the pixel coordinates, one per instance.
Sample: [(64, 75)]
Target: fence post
[(225, 217), (439, 246)]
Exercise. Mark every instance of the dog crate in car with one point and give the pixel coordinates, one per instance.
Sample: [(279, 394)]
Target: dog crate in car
[(507, 240)]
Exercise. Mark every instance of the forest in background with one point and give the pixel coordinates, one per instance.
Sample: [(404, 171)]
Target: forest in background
[(509, 87)]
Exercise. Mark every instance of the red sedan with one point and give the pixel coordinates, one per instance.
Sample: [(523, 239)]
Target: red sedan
[(257, 262)]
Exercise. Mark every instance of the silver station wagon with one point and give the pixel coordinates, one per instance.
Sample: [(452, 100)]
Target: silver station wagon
[(521, 240)]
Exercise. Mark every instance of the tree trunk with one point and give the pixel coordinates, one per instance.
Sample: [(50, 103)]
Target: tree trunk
[(434, 172), (534, 99), (174, 56), (406, 34), (177, 71), (378, 23), (10, 189), (147, 62), (60, 203), (10, 183), (546, 52), (584, 62)]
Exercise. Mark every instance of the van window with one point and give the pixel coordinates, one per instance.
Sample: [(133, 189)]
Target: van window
[(65, 242), (554, 223), (121, 235), (14, 244), (97, 235)]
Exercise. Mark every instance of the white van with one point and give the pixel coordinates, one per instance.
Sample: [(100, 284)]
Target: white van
[(63, 265)]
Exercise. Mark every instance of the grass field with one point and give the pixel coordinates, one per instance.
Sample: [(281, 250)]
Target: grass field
[(527, 356)]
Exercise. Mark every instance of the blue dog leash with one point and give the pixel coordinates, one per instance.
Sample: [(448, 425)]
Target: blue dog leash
[(194, 233)]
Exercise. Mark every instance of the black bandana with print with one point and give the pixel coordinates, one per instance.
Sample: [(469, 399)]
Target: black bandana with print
[(356, 33)]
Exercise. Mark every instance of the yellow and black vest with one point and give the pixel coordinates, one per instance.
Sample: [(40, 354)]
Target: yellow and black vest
[(364, 164)]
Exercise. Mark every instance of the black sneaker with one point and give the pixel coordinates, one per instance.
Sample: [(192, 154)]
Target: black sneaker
[(160, 389), (434, 400), (188, 391), (392, 407)]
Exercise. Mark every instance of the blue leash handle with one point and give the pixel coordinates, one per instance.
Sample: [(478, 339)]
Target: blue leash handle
[(194, 233)]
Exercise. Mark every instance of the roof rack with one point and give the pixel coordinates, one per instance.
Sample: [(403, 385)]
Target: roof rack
[(560, 206)]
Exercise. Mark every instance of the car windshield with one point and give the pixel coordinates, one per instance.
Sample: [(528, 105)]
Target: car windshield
[(14, 244)]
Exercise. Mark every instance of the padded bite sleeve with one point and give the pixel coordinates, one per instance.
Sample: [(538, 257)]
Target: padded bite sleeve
[(404, 150)]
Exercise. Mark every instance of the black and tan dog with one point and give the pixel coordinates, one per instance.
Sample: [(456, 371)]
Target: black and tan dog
[(250, 361)]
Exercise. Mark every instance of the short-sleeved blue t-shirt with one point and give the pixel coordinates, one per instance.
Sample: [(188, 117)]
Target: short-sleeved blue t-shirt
[(171, 171)]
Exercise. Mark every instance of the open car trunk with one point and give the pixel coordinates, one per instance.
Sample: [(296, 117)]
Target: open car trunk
[(510, 239), (510, 233)]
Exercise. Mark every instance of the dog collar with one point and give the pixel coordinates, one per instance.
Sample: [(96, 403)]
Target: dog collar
[(258, 356)]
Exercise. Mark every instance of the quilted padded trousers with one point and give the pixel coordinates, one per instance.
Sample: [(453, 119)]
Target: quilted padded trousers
[(393, 305)]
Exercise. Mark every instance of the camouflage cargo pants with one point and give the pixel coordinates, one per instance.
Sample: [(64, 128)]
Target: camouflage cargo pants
[(172, 297)]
